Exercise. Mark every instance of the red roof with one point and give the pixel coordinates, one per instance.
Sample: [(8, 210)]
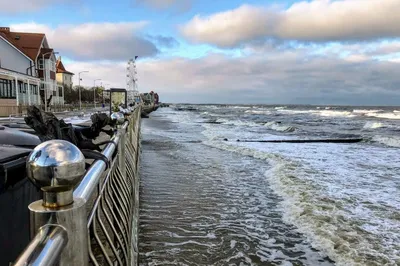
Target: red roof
[(28, 43), (46, 52), (60, 67)]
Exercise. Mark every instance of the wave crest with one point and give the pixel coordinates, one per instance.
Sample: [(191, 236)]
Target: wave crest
[(279, 127), (373, 125)]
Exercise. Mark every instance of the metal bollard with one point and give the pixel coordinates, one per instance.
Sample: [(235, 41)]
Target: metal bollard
[(56, 167)]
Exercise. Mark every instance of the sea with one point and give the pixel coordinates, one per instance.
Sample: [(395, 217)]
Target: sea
[(213, 192)]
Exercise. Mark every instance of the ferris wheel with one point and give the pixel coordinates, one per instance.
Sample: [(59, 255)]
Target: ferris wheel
[(131, 80)]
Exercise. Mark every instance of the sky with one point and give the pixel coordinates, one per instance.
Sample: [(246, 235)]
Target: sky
[(344, 52)]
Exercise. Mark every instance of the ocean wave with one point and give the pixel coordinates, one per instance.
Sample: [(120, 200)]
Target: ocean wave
[(290, 111), (331, 227), (329, 113), (236, 122), (258, 112), (373, 125), (319, 112), (388, 115), (240, 107), (279, 127), (391, 141), (366, 111), (333, 220)]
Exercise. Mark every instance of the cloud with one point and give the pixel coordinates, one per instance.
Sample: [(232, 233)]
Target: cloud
[(179, 5), (385, 48), (314, 21), (96, 41), (164, 41), (273, 77), (18, 6)]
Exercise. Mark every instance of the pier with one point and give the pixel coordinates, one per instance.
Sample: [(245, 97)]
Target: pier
[(90, 217)]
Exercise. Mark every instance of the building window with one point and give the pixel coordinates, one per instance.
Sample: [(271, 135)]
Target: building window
[(60, 89), (7, 89), (54, 93), (34, 89), (21, 87), (40, 63), (52, 65)]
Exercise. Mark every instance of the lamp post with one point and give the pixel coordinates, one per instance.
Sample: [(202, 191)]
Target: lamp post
[(94, 92), (45, 79), (79, 87)]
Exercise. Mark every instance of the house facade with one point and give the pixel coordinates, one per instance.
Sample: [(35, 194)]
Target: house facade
[(27, 70), (64, 78), (19, 83)]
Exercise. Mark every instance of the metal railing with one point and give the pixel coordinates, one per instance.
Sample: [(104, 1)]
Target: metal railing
[(100, 226)]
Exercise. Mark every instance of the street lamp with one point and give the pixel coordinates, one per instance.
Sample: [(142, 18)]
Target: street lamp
[(79, 87), (94, 92), (45, 79)]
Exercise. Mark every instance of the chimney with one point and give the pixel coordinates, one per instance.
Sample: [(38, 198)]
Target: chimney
[(5, 29)]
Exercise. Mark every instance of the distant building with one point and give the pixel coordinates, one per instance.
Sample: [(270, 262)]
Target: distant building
[(64, 77), (27, 68)]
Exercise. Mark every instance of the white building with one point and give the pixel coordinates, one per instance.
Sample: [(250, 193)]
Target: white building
[(64, 78), (27, 67)]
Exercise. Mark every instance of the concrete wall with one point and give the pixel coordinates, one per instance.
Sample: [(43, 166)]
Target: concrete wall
[(8, 107), (12, 59)]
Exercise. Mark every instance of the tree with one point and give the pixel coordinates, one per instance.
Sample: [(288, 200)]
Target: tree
[(71, 95)]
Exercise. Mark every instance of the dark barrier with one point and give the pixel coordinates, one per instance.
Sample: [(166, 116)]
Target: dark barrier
[(14, 221)]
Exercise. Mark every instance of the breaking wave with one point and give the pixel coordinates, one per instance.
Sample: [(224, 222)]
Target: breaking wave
[(236, 122), (373, 125), (388, 115), (391, 141), (258, 112), (365, 111), (336, 113), (335, 225), (279, 127)]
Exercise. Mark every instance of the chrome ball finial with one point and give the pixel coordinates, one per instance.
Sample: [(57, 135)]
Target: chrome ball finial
[(55, 163)]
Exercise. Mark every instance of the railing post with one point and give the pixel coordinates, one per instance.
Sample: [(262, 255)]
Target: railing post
[(121, 153), (56, 166)]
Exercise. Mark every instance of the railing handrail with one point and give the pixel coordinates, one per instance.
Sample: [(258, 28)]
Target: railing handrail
[(50, 240), (93, 175)]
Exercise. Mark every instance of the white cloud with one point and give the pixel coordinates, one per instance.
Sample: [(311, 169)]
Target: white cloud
[(318, 20), (276, 76), (17, 6), (386, 48), (114, 41)]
